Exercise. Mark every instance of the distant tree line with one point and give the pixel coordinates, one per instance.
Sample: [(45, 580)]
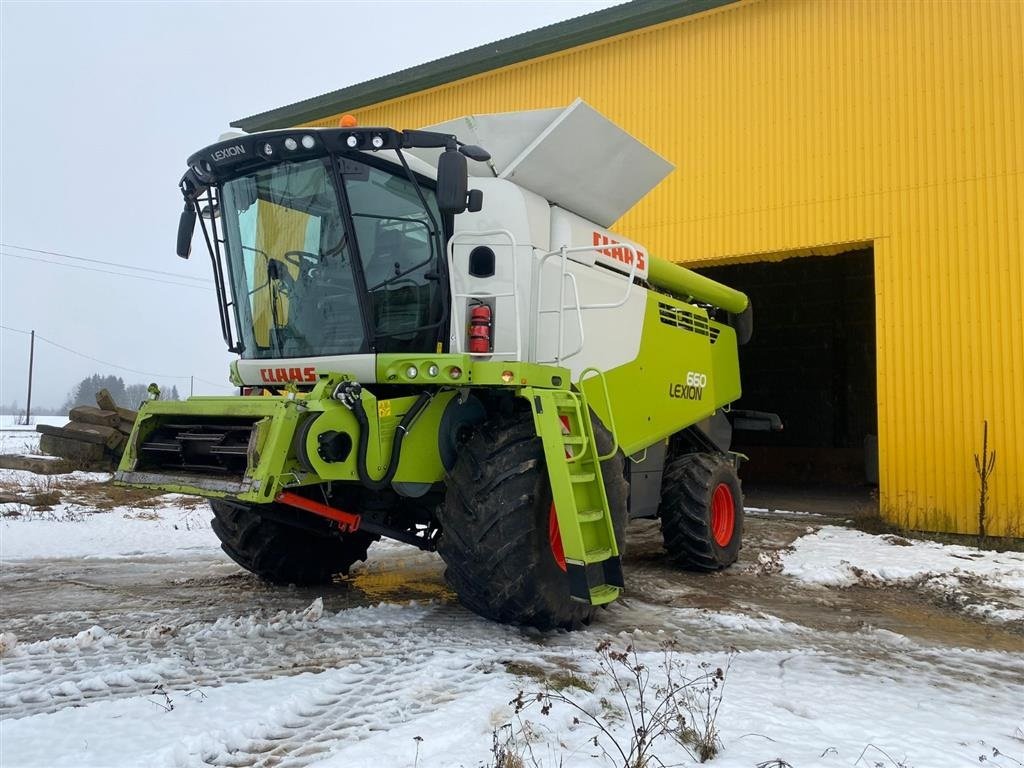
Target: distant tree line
[(18, 409), (127, 396)]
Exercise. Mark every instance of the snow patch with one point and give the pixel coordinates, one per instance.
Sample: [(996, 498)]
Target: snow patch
[(72, 531), (985, 583)]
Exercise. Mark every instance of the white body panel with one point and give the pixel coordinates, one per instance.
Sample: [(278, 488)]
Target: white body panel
[(302, 370), (579, 308)]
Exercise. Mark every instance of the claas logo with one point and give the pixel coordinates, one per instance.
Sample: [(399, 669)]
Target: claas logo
[(625, 255), (282, 375)]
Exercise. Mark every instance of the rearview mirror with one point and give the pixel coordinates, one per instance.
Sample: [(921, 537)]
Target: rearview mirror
[(452, 181), (186, 226)]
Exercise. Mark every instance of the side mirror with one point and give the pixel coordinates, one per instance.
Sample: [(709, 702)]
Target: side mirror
[(186, 226), (452, 181)]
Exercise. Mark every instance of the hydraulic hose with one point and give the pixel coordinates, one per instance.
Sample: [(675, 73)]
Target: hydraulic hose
[(348, 393)]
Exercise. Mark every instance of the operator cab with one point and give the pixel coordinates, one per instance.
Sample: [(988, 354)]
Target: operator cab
[(327, 241)]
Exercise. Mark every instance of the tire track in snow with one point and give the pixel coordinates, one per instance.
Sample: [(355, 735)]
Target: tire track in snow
[(349, 705), (95, 665)]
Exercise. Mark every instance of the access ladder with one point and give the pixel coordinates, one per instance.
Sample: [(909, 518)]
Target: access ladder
[(561, 417)]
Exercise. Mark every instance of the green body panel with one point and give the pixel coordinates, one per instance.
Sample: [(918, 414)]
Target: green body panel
[(272, 462), (650, 397)]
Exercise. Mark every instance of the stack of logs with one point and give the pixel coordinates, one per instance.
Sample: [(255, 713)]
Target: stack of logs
[(94, 439)]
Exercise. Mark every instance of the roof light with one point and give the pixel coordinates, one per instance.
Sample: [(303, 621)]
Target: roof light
[(347, 121), (291, 143), (267, 149), (307, 141), (411, 372), (352, 140), (377, 141), (432, 370)]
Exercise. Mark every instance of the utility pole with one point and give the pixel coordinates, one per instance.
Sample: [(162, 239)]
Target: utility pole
[(31, 360), (191, 385)]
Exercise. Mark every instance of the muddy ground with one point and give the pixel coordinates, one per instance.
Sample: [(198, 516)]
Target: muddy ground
[(47, 598)]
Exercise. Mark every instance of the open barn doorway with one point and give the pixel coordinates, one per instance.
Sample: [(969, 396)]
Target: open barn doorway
[(812, 361)]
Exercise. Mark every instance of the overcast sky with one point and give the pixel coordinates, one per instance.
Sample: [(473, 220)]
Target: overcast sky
[(100, 104)]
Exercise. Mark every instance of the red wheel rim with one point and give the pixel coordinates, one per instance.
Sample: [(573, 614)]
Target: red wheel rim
[(723, 515), (555, 537)]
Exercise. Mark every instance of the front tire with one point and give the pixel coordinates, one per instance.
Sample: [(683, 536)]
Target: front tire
[(281, 553), (496, 534), (701, 511)]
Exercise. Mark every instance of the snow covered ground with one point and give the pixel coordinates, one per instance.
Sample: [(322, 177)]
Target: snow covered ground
[(129, 639), (839, 557), (22, 438)]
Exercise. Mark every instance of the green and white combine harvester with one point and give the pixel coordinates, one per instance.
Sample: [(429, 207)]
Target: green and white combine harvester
[(489, 372)]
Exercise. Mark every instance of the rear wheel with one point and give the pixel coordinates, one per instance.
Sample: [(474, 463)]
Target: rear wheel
[(701, 511), (262, 540), (499, 537)]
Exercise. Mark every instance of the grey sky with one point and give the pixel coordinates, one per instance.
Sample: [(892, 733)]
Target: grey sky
[(100, 104)]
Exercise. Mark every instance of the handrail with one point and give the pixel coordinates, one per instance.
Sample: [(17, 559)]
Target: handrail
[(514, 293), (563, 252), (608, 401)]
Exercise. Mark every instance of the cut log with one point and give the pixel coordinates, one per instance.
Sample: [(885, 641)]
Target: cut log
[(127, 414), (40, 465), (85, 455), (86, 414), (67, 434), (105, 401), (107, 436), (125, 426), (95, 434)]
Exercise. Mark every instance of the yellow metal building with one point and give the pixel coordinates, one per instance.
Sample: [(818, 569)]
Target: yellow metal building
[(802, 130)]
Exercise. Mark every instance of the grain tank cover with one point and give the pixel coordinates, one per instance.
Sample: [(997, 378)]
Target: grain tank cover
[(575, 157)]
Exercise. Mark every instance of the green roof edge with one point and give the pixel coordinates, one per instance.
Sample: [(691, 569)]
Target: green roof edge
[(553, 38)]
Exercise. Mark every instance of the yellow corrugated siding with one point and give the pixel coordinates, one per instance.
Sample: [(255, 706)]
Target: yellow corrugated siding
[(800, 125)]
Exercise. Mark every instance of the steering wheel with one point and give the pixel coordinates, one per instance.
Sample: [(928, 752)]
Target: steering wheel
[(297, 258)]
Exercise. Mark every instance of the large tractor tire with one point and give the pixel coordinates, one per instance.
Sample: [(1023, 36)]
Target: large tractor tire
[(283, 553), (701, 511), (498, 531)]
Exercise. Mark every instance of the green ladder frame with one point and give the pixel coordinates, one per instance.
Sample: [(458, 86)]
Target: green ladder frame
[(562, 421)]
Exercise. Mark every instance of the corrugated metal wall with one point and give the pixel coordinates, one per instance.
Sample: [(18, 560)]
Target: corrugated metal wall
[(802, 126)]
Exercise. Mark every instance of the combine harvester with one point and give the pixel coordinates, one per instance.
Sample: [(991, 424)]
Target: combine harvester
[(489, 373)]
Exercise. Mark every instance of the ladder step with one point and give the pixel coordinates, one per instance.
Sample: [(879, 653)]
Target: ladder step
[(570, 440), (603, 594), (597, 555), (590, 515), (583, 477)]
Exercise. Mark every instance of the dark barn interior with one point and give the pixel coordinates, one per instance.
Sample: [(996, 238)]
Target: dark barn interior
[(812, 361)]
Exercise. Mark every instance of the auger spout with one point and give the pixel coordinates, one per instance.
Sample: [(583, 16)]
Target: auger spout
[(686, 283)]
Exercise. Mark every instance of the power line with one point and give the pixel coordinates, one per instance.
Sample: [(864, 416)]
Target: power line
[(106, 271), (114, 365), (107, 263)]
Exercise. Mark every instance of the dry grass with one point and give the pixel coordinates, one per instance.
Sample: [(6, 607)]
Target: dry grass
[(559, 680), (44, 492)]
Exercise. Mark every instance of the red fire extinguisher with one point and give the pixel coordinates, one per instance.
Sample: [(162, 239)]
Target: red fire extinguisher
[(480, 328)]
